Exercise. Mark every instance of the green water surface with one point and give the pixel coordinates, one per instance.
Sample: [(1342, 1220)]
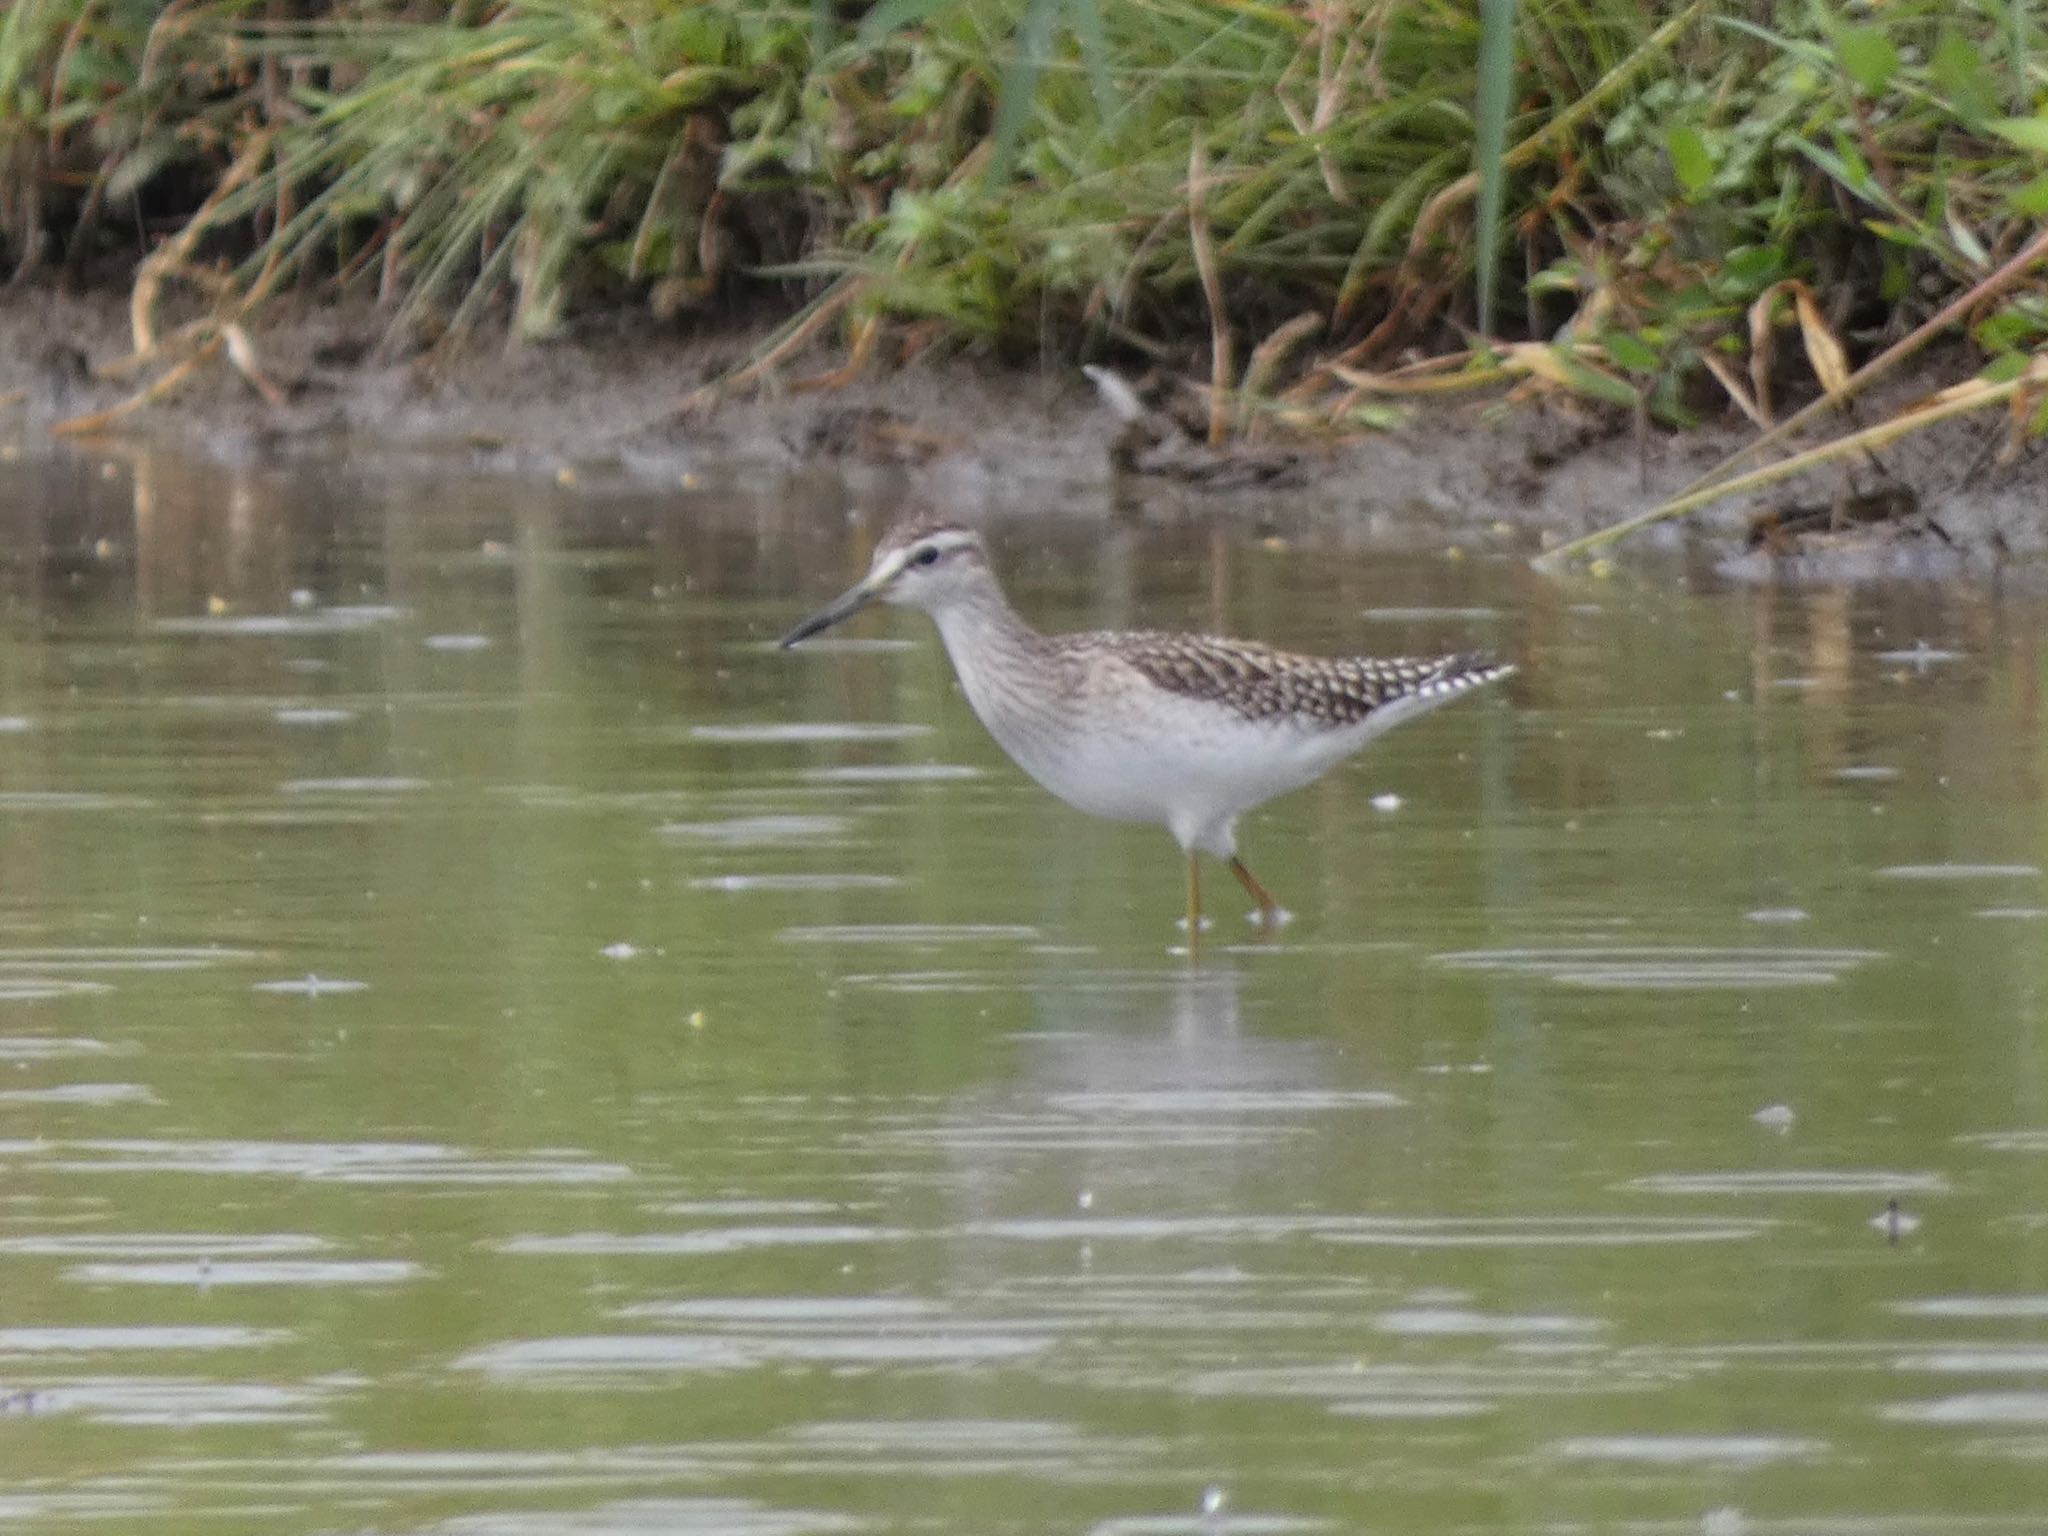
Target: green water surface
[(490, 1046)]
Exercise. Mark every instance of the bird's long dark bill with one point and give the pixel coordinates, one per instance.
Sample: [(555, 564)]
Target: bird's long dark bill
[(843, 606)]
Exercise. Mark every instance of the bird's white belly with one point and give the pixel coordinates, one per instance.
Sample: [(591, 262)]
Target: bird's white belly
[(1184, 764)]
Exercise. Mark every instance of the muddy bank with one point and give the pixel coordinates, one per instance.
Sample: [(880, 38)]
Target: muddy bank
[(973, 433)]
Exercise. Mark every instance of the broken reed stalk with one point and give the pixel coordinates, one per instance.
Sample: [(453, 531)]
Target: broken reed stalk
[(1268, 355), (1204, 242), (1711, 486), (98, 421), (1958, 401), (794, 336)]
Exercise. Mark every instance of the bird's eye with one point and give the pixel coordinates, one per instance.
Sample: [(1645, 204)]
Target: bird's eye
[(926, 556)]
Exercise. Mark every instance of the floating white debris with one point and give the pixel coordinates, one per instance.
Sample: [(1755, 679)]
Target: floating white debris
[(15, 725), (366, 785), (796, 882), (1921, 655), (457, 643), (619, 951), (1386, 802), (303, 597), (310, 985), (1775, 1117), (1874, 773), (1774, 916), (312, 714)]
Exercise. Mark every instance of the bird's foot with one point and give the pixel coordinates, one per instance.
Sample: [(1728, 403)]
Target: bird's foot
[(1202, 925), (1270, 919)]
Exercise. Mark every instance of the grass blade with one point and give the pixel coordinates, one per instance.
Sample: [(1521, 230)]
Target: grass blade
[(1490, 141)]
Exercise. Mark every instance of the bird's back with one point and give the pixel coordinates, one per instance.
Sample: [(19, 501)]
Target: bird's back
[(1263, 685)]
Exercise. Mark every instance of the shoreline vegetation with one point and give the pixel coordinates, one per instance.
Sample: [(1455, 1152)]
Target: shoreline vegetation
[(1284, 210)]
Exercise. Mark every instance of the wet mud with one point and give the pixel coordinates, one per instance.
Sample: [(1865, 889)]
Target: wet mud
[(972, 432)]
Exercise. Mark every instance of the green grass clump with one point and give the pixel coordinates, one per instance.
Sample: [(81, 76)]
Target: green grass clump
[(1674, 176)]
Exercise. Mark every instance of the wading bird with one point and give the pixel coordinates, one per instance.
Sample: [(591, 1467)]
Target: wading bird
[(1142, 725)]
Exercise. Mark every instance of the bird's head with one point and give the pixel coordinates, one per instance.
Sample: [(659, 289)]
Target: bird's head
[(917, 565)]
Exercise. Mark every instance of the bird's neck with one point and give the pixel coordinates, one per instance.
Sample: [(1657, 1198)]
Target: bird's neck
[(985, 637)]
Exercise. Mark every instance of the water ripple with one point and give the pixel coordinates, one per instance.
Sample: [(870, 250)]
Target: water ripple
[(1791, 1181), (1972, 1408), (37, 1047), (1960, 872), (185, 1404), (1667, 967), (682, 1516), (893, 773), (335, 1162), (929, 1341), (760, 831), (82, 1093), (2007, 1141), (208, 1273), (1224, 1101), (162, 1245), (1457, 1322), (907, 933), (138, 1339), (1689, 1450), (787, 732), (698, 1240), (1974, 1306), (796, 882), (71, 800), (326, 621), (121, 957), (42, 989)]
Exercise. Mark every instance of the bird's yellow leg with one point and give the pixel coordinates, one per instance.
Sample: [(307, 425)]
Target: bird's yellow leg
[(1194, 899), (1269, 909)]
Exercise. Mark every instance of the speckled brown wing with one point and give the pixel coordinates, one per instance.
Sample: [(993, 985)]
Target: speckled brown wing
[(1261, 683)]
